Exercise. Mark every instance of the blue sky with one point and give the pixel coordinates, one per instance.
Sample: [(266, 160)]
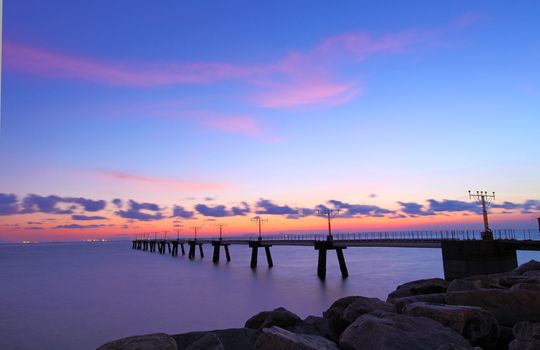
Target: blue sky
[(171, 102)]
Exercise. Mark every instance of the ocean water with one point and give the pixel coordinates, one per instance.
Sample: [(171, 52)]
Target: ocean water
[(80, 295)]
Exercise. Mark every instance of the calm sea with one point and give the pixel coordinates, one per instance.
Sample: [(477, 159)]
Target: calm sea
[(80, 295)]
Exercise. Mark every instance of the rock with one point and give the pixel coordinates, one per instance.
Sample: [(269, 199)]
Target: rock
[(506, 335), (476, 325), (526, 286), (425, 286), (398, 332), (400, 303), (346, 310), (527, 336), (231, 339), (276, 338), (209, 342), (509, 281), (280, 317), (507, 306), (531, 273), (460, 284), (528, 266), (456, 347), (156, 341), (318, 326)]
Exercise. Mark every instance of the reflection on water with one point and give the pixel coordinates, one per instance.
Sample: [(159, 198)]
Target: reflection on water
[(79, 295)]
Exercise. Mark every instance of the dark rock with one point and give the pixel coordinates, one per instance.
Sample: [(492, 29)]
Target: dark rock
[(400, 303), (156, 341), (531, 265), (280, 317), (209, 342), (456, 347), (527, 336), (426, 286), (346, 310), (318, 326), (460, 284), (506, 335), (232, 339), (509, 281), (276, 338), (398, 332), (526, 286), (531, 273), (476, 325), (507, 306)]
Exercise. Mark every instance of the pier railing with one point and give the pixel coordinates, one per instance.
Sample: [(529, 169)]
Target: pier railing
[(499, 234)]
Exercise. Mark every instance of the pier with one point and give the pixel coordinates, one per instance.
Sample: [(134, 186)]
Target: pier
[(464, 253)]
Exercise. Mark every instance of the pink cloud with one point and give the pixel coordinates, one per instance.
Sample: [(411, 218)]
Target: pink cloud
[(307, 93), (236, 124), (166, 184), (56, 65), (297, 79)]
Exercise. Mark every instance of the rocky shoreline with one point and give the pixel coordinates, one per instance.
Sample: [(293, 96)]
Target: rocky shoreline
[(498, 311)]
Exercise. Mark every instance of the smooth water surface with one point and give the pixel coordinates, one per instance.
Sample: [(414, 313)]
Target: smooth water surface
[(80, 295)]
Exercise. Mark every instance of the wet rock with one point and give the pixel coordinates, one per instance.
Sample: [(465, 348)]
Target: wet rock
[(476, 325), (346, 310), (398, 332), (507, 306), (456, 347), (400, 303), (156, 341), (531, 265), (425, 286), (527, 336), (280, 317), (231, 339), (506, 335), (460, 284), (209, 342), (276, 338)]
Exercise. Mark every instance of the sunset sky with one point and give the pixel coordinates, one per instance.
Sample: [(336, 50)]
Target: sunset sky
[(123, 117)]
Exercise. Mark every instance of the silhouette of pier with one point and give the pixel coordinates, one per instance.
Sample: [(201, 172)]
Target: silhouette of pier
[(464, 252)]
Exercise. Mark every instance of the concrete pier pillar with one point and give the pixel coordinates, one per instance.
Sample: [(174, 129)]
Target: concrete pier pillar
[(254, 253), (268, 256), (469, 258), (191, 253), (342, 265), (169, 247), (227, 252), (215, 257), (201, 250), (182, 247), (133, 244), (321, 266)]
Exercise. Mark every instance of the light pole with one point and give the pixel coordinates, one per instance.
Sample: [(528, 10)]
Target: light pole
[(259, 221), (329, 213), (483, 198), (221, 226)]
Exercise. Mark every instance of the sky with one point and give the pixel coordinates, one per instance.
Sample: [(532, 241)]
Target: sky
[(121, 118)]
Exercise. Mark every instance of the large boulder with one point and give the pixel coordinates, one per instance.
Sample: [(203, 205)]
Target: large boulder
[(507, 306), (231, 339), (156, 341), (400, 303), (318, 326), (280, 317), (461, 284), (527, 336), (209, 342), (509, 281), (476, 325), (531, 265), (276, 338), (425, 286), (398, 332), (346, 310)]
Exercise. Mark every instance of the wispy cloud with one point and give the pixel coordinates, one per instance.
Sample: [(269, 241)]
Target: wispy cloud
[(298, 78), (164, 184)]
